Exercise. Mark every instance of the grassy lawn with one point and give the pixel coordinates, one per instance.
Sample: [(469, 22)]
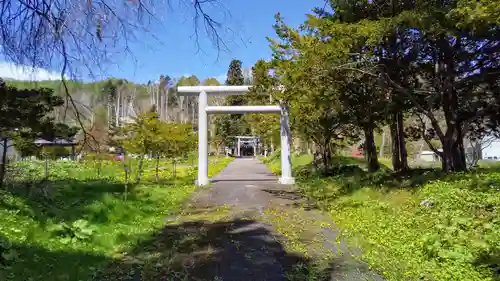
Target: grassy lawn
[(83, 216), (423, 226)]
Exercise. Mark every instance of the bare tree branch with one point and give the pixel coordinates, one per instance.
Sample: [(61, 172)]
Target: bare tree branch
[(76, 35)]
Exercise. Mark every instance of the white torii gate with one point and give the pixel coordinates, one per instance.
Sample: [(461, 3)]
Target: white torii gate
[(203, 110), (252, 139)]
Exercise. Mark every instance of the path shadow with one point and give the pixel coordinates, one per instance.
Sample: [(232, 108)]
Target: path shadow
[(492, 262), (236, 250), (295, 198)]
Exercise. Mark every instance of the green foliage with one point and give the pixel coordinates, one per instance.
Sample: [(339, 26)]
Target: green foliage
[(149, 135), (178, 140), (235, 74), (8, 255), (372, 62), (26, 110), (211, 82), (98, 225), (79, 230), (444, 228), (25, 116), (188, 81), (266, 126), (232, 124), (426, 225)]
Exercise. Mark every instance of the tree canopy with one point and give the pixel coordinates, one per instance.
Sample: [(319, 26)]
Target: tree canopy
[(373, 63)]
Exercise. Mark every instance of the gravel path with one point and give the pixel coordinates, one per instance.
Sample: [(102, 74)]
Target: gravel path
[(248, 189), (244, 227)]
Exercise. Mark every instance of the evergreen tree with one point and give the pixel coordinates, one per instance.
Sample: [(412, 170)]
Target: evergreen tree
[(25, 114), (235, 74), (109, 90), (238, 124)]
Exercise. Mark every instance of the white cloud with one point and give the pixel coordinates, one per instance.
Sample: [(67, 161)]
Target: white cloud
[(221, 78), (22, 72)]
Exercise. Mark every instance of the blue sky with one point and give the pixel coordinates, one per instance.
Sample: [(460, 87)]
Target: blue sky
[(176, 56)]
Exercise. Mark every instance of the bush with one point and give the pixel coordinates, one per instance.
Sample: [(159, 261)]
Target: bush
[(79, 230), (274, 156), (55, 152), (99, 156)]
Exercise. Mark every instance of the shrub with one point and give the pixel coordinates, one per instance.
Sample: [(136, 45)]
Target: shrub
[(79, 230)]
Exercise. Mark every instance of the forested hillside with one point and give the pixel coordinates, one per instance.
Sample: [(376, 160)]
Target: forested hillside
[(113, 102)]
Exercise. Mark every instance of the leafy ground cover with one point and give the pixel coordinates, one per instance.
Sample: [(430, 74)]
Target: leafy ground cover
[(77, 221), (426, 225)]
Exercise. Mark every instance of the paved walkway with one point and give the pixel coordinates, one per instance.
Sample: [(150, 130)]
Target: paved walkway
[(251, 192), (244, 227), (245, 170)]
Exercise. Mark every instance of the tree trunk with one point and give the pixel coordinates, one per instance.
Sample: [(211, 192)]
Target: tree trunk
[(382, 144), (371, 150), (446, 159), (326, 153), (4, 160), (453, 158), (117, 110), (157, 166), (403, 154), (167, 104), (453, 143), (459, 149), (139, 169), (396, 160), (174, 169)]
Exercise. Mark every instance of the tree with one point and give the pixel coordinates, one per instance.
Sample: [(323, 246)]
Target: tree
[(438, 62), (362, 104), (188, 104), (87, 35), (148, 134), (176, 141), (266, 126), (456, 63), (109, 90), (75, 36), (299, 81), (140, 137), (25, 115), (237, 122), (263, 91), (230, 125), (216, 137), (235, 74)]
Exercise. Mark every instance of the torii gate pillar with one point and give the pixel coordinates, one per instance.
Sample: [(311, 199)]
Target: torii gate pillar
[(202, 140), (204, 110)]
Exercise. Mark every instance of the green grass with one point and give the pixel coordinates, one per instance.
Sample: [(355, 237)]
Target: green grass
[(273, 161), (455, 237), (79, 220)]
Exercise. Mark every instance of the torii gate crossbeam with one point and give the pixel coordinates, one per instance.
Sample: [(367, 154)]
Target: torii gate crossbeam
[(204, 110)]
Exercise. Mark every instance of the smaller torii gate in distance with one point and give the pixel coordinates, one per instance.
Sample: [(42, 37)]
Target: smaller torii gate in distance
[(203, 110), (242, 139)]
